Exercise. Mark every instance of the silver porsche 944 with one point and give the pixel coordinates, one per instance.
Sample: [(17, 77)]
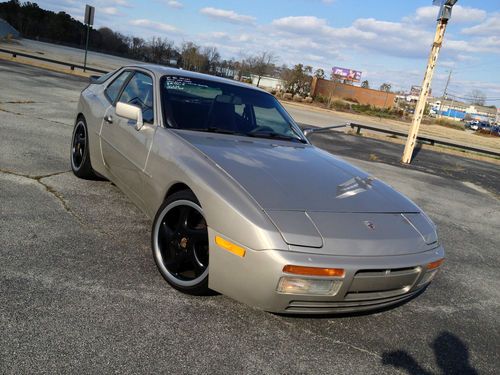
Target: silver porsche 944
[(242, 203)]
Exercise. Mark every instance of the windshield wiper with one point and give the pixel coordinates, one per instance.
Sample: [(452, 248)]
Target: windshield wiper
[(214, 129), (274, 136)]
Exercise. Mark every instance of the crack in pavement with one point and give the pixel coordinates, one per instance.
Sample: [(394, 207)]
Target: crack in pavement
[(21, 102), (56, 194), (33, 117), (60, 197)]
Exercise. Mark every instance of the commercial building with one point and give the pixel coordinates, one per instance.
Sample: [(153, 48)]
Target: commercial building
[(269, 83), (376, 98), (457, 110)]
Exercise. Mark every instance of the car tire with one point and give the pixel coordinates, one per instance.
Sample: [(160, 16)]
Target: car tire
[(80, 155), (179, 240)]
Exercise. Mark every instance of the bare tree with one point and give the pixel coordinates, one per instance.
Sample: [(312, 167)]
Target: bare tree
[(297, 80), (212, 58), (477, 97), (365, 84), (260, 65), (137, 47), (192, 58), (385, 87), (160, 50)]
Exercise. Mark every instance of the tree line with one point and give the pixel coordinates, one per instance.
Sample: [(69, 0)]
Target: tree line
[(34, 22)]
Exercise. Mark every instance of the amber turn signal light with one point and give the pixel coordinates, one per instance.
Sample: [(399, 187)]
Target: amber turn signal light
[(435, 264), (229, 246), (314, 271)]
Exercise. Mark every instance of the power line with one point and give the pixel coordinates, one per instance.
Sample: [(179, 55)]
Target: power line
[(469, 98)]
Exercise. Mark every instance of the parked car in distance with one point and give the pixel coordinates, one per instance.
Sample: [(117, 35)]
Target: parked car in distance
[(242, 203), (485, 126), (473, 125)]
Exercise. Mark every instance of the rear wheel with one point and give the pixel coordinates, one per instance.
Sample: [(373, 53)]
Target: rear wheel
[(180, 243), (80, 153)]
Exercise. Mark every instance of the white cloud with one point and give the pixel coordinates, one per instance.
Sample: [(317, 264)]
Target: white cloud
[(460, 14), (155, 26), (489, 27), (123, 3), (227, 15), (300, 23), (110, 11), (400, 39), (174, 4)]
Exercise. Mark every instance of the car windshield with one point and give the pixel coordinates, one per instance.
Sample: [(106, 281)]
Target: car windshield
[(203, 105)]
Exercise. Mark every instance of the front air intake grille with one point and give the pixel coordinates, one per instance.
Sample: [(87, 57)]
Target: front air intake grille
[(377, 284), (322, 307)]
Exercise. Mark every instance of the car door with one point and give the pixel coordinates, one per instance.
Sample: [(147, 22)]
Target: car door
[(124, 148)]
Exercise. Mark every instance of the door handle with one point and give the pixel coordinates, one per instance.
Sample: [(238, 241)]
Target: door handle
[(108, 119)]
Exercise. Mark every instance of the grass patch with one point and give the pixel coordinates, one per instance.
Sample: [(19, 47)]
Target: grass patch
[(486, 133), (377, 112), (449, 124)]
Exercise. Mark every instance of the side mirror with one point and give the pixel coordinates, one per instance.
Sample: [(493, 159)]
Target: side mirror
[(131, 112)]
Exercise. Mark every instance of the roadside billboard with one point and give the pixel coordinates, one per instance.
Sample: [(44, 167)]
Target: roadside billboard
[(347, 74)]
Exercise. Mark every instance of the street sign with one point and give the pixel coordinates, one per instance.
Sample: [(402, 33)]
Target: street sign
[(446, 6), (89, 15)]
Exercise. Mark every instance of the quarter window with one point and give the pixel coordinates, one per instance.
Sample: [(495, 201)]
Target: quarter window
[(139, 92), (114, 88)]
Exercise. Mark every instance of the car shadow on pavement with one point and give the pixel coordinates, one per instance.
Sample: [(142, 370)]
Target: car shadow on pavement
[(452, 357)]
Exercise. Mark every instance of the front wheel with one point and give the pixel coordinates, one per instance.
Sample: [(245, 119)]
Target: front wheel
[(180, 243), (80, 153)]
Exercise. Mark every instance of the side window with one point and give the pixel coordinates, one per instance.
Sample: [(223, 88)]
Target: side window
[(139, 92), (113, 89)]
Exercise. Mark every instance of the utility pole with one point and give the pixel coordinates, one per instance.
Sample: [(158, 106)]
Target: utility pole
[(443, 17), (445, 93)]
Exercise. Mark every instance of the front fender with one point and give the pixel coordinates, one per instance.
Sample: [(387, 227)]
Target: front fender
[(227, 207)]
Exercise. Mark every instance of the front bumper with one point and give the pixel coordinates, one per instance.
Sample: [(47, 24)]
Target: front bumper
[(369, 282)]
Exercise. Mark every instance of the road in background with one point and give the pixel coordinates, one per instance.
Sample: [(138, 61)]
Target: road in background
[(68, 54), (79, 291)]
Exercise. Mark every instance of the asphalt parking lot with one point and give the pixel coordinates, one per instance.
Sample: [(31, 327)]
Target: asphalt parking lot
[(79, 290)]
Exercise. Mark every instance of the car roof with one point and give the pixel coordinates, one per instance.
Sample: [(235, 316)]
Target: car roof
[(160, 71)]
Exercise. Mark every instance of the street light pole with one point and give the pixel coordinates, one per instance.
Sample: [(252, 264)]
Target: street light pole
[(444, 15), (86, 49), (445, 93), (89, 21)]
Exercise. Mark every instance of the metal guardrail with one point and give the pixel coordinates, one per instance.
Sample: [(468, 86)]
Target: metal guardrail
[(310, 129), (428, 140), (71, 65)]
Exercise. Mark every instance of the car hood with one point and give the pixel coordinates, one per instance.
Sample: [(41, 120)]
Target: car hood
[(318, 202), (295, 177)]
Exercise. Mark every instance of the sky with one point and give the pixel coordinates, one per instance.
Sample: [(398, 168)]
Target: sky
[(389, 40)]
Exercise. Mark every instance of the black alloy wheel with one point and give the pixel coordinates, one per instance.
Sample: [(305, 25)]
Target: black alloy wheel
[(80, 157), (180, 243)]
